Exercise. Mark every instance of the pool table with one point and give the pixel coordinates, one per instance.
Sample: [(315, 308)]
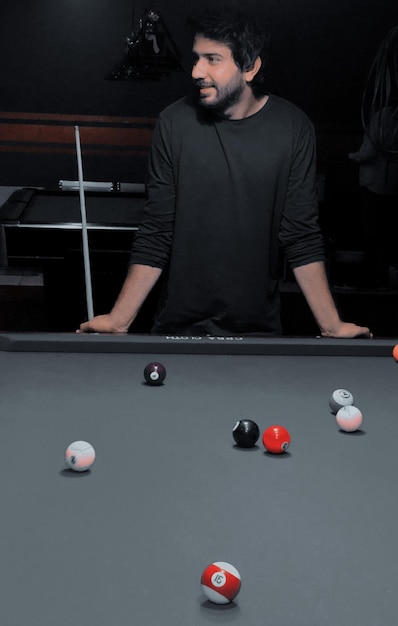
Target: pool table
[(312, 531)]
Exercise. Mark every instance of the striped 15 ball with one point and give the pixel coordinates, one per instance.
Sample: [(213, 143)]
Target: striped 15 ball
[(220, 582)]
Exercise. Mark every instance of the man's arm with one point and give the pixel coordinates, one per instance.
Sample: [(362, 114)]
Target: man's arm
[(139, 282), (313, 283)]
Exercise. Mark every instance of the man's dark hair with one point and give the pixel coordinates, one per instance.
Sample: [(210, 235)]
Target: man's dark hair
[(240, 32)]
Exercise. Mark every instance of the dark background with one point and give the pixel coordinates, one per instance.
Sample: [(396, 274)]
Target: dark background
[(54, 57)]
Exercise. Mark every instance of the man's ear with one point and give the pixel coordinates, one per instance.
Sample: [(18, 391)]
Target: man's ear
[(250, 74)]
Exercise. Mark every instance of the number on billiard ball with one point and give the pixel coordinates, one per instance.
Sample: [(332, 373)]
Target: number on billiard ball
[(246, 433), (339, 398), (154, 373)]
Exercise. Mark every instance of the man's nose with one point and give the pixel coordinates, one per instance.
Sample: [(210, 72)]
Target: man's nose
[(198, 70)]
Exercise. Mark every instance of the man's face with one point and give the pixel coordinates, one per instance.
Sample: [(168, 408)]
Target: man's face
[(220, 82)]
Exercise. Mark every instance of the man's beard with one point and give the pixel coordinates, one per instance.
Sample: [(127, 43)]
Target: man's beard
[(225, 99)]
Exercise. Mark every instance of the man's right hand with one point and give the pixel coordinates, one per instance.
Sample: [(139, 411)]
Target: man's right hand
[(101, 324), (139, 282)]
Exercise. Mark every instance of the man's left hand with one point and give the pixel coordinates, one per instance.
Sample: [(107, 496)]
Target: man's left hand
[(346, 330)]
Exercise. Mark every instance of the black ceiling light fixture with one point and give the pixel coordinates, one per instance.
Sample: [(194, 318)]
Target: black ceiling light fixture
[(150, 51)]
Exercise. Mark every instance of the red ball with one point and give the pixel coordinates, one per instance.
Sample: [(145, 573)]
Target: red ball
[(221, 582), (276, 439), (395, 352)]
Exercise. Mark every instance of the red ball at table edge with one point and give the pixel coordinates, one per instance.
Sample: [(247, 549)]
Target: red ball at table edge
[(276, 439)]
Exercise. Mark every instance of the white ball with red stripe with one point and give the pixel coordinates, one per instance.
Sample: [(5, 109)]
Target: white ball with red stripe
[(221, 582)]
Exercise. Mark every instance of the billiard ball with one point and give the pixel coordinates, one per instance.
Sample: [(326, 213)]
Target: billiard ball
[(349, 418), (395, 352), (220, 582), (154, 373), (339, 398), (276, 439), (246, 433), (79, 456)]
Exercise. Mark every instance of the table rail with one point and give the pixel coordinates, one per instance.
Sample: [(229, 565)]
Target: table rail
[(180, 344)]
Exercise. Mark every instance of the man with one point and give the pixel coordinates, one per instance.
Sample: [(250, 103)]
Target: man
[(231, 182)]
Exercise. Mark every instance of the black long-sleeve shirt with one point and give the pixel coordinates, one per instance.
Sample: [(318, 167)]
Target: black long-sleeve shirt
[(224, 197)]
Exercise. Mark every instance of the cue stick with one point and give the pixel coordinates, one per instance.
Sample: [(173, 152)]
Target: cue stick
[(86, 257)]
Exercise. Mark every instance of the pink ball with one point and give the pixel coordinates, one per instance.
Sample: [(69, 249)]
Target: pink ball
[(79, 456), (349, 418)]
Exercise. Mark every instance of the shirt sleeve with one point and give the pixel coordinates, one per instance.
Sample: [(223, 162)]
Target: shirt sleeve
[(152, 244), (300, 235)]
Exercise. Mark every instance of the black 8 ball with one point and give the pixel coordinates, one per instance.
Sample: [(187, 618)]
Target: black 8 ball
[(246, 433), (154, 373)]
